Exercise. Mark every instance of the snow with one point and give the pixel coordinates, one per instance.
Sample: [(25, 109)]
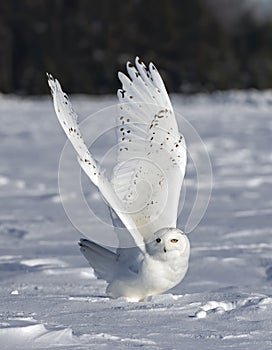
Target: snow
[(49, 297)]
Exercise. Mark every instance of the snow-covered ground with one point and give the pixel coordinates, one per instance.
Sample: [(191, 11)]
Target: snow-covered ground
[(49, 297)]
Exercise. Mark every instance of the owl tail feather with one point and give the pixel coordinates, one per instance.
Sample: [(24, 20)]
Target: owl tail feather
[(102, 260)]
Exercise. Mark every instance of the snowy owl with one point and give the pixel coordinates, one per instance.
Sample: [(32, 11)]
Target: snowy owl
[(143, 192)]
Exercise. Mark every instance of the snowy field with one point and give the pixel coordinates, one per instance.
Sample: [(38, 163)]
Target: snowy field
[(49, 297)]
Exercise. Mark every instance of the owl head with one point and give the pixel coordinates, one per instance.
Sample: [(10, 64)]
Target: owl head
[(169, 240)]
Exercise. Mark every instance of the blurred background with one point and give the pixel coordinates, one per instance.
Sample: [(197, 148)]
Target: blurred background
[(198, 45)]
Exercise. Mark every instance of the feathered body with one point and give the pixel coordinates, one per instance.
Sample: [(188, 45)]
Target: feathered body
[(161, 268)]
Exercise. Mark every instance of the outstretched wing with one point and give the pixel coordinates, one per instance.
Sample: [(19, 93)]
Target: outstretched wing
[(145, 188), (68, 120), (152, 154)]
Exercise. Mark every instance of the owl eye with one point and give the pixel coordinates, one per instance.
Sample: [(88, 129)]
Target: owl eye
[(174, 240), (158, 240)]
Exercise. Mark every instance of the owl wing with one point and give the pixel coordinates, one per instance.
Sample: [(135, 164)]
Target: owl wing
[(152, 156), (68, 120)]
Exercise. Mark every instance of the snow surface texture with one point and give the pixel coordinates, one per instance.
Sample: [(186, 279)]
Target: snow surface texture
[(49, 297)]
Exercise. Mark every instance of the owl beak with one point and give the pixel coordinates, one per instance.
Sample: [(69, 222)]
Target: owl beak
[(164, 249)]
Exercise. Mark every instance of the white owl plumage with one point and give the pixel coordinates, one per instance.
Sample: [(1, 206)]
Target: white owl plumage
[(144, 190)]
